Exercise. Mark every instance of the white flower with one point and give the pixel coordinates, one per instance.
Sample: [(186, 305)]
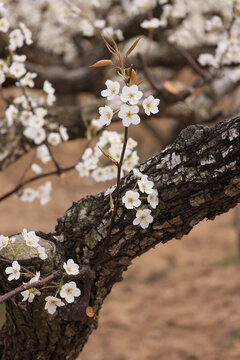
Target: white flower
[(16, 39), (4, 25), (82, 169), (27, 80), (131, 199), (30, 294), (153, 199), (63, 133), (54, 139), (36, 168), (137, 173), (41, 252), (99, 23), (145, 185), (106, 115), (143, 218), (14, 271), (51, 304), (112, 90), (37, 135), (17, 69), (44, 192), (36, 122), (86, 28), (154, 23), (214, 24), (29, 195), (34, 278), (131, 94), (150, 105), (27, 33), (108, 32), (71, 267), (43, 154), (19, 58), (99, 174), (128, 114), (69, 291), (131, 161), (3, 241), (11, 114), (48, 88), (30, 238)]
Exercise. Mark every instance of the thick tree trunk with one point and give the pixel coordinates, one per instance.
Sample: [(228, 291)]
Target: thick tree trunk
[(197, 177)]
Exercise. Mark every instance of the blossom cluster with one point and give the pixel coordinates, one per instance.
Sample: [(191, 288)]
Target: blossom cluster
[(128, 111), (28, 246), (68, 291), (110, 143), (132, 199), (27, 111)]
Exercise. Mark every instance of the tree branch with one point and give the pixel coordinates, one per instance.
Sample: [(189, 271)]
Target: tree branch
[(197, 177)]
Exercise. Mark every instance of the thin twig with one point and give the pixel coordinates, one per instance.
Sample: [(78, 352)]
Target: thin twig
[(43, 175), (22, 267)]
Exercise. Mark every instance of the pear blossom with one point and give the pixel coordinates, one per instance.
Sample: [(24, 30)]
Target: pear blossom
[(143, 218), (27, 80), (16, 39), (17, 69), (138, 173), (36, 168), (150, 105), (41, 252), (82, 169), (69, 291), (30, 238), (145, 185), (30, 294), (44, 192), (28, 195), (131, 94), (43, 154), (38, 135), (11, 114), (131, 199), (52, 303), (14, 271), (54, 139), (99, 23), (99, 174), (4, 25), (106, 114), (71, 267), (27, 33), (128, 114), (36, 122), (112, 90), (3, 241), (63, 133), (48, 88), (153, 199), (154, 23)]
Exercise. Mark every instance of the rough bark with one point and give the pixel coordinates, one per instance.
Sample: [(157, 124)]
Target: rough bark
[(197, 177)]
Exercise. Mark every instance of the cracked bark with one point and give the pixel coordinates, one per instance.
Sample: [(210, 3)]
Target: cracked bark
[(197, 177)]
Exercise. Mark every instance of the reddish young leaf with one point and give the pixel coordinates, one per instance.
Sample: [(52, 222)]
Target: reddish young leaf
[(132, 47), (103, 62)]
